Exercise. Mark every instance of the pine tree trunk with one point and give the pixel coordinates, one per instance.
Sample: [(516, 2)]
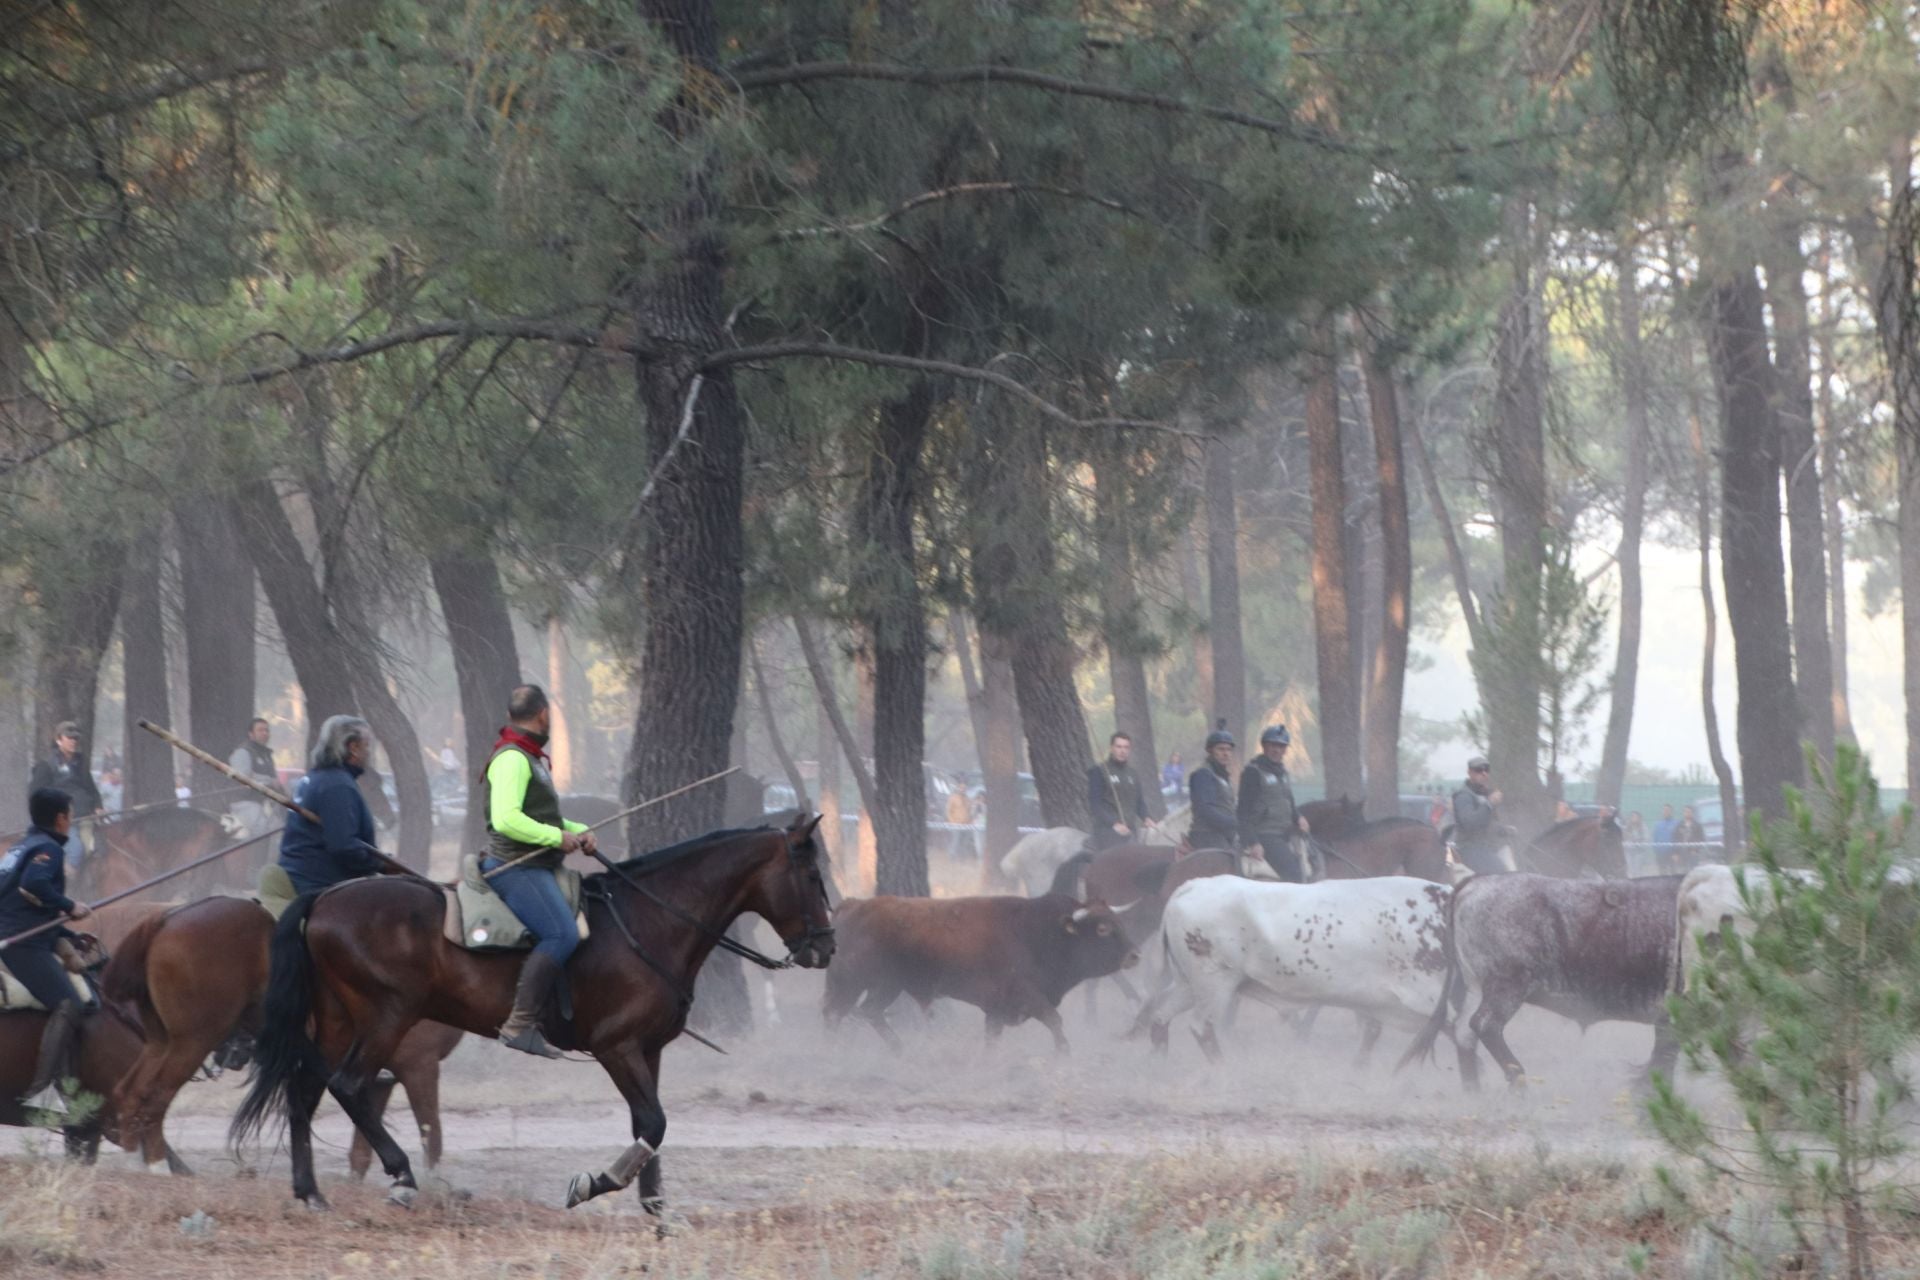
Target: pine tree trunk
[(1519, 467), (894, 618), (1339, 698), (486, 664), (217, 613), (1457, 566), (1018, 603), (996, 736), (1806, 515), (1836, 529), (1120, 613), (1731, 821), (79, 591), (560, 739), (1626, 654), (1386, 690), (1752, 564), (1898, 316), (691, 552), (143, 644), (776, 739), (1225, 640)]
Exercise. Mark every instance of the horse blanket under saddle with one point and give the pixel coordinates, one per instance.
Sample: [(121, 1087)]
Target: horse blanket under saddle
[(478, 919), (15, 998)]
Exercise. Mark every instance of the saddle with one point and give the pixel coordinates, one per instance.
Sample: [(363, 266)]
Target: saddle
[(15, 998), (478, 919), (273, 890)]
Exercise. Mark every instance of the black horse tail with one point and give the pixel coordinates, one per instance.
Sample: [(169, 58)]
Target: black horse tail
[(1067, 879), (1453, 993), (283, 1051)]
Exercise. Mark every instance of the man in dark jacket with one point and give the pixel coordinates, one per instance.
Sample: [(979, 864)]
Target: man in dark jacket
[(65, 769), (33, 892), (1114, 796), (1477, 830), (1210, 789), (341, 846), (1269, 823)]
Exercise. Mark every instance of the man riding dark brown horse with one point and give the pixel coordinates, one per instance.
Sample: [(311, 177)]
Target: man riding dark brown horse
[(33, 892)]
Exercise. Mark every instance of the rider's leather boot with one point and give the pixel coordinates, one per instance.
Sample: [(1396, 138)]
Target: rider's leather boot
[(521, 1030), (56, 1053)]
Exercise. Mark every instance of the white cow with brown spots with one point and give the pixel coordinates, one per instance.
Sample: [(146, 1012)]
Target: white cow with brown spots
[(1376, 946)]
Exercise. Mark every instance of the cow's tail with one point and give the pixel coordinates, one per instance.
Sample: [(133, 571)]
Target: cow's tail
[(283, 1051), (1067, 879), (1453, 994)]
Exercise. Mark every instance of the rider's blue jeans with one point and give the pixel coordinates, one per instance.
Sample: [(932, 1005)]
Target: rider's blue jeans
[(533, 894)]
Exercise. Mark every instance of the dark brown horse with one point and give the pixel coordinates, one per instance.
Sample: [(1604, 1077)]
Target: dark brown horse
[(1578, 847), (1356, 849), (195, 977), (142, 845), (365, 961), (106, 1047)]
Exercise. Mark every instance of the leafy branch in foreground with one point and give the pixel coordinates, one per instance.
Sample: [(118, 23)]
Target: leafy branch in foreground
[(1807, 1012)]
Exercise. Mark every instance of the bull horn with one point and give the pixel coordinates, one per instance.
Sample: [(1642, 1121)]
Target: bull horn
[(1081, 914)]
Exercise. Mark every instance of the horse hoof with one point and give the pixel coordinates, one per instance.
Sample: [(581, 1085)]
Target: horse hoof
[(580, 1190), (403, 1196)]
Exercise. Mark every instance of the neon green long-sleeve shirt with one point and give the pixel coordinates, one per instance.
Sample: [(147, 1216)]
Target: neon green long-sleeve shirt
[(507, 779)]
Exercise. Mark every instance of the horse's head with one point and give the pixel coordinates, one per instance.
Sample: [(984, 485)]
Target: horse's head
[(790, 893)]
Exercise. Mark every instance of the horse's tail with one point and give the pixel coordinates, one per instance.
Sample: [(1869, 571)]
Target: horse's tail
[(283, 1051), (124, 981), (1453, 991), (1067, 879)]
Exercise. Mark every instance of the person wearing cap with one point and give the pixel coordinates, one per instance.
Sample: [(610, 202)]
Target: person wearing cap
[(66, 769), (1216, 825), (1269, 822), (1477, 830)]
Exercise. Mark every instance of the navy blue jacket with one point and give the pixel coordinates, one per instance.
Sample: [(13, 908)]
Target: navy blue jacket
[(1216, 825), (33, 888), (341, 847)]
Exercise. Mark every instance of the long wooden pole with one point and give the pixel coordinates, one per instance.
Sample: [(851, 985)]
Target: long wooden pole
[(142, 887), (279, 797), (607, 822)]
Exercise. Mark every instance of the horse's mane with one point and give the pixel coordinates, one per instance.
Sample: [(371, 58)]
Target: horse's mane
[(1561, 829), (660, 859)]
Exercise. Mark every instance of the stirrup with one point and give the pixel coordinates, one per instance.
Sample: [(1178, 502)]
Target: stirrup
[(48, 1099), (531, 1041)]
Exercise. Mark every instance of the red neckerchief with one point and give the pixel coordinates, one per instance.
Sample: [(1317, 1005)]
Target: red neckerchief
[(513, 736)]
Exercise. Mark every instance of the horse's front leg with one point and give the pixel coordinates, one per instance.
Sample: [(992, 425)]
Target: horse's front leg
[(632, 1071), (353, 1087)]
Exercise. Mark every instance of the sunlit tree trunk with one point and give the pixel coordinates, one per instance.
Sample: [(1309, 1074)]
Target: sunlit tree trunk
[(1339, 698), (143, 645), (1836, 529), (1122, 625), (217, 612), (1226, 642), (486, 664), (1389, 657), (1631, 373)]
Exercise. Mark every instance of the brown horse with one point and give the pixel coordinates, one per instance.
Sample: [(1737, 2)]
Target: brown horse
[(415, 1068), (195, 977), (105, 1048), (1578, 847), (365, 961), (142, 845), (1355, 849)]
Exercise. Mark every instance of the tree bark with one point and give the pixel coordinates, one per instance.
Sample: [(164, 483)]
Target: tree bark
[(1898, 317), (1836, 529), (1806, 516), (1225, 639), (79, 588), (560, 740), (1632, 375), (486, 663), (1752, 565), (691, 552), (1386, 690), (1122, 626), (143, 645), (1449, 537), (887, 587), (217, 612), (822, 674), (775, 738), (1731, 822), (1333, 640), (1017, 602), (314, 646), (1519, 468), (996, 736)]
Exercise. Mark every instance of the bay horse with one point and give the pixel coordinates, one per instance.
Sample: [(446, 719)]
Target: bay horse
[(195, 977), (1360, 849), (1579, 847), (105, 1048), (364, 961), (142, 845)]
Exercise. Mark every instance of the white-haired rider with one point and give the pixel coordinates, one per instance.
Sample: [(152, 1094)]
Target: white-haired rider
[(340, 847)]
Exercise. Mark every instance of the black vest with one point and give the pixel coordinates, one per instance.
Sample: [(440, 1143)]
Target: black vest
[(261, 763), (542, 805)]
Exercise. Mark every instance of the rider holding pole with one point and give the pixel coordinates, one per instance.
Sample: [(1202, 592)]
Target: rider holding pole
[(525, 829), (33, 891), (319, 855)]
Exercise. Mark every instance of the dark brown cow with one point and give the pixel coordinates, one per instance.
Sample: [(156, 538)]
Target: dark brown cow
[(1013, 958), (1590, 950)]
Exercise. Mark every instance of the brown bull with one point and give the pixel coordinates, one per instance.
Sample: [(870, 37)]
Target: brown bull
[(1013, 958), (1590, 950)]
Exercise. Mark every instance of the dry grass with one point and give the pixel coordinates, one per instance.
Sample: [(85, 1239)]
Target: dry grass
[(934, 1215)]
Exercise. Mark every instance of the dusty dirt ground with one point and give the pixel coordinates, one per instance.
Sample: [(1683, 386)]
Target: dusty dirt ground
[(804, 1152)]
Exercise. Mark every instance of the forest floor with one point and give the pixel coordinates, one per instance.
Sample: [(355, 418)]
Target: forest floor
[(817, 1154)]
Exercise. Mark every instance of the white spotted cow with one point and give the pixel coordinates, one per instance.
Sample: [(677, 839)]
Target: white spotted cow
[(1376, 946)]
